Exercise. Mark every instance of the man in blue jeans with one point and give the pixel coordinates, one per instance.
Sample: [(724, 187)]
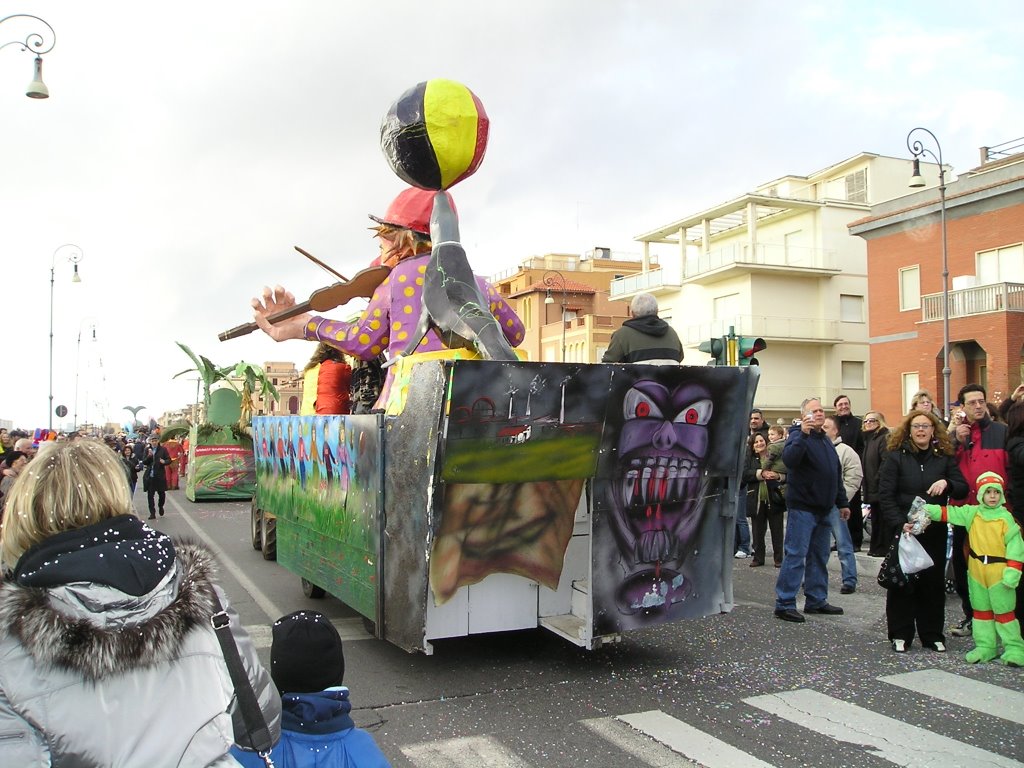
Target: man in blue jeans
[(814, 485)]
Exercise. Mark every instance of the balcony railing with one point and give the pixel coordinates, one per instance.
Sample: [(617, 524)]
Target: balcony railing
[(764, 254), (641, 281), (999, 297), (796, 328)]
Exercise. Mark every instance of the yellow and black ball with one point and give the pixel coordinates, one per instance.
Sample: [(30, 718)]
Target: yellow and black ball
[(435, 135)]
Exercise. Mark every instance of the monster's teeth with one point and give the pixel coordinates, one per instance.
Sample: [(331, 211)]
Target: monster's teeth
[(645, 484), (673, 482), (629, 486)]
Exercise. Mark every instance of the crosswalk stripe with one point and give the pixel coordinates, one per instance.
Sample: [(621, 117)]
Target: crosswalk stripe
[(467, 752), (962, 691), (889, 739), (661, 741), (349, 629), (692, 742)]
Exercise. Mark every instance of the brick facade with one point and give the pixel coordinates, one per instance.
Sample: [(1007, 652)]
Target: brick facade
[(985, 345)]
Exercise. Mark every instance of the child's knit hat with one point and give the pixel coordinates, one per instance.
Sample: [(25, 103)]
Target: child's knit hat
[(990, 481)]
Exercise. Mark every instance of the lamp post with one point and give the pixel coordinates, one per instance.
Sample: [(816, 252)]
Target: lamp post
[(73, 258), (34, 41), (550, 282), (917, 149), (78, 360)]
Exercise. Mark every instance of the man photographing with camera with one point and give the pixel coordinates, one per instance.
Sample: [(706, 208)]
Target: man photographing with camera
[(980, 448)]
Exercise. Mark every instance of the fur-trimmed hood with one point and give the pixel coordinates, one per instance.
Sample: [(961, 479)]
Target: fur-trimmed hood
[(97, 630)]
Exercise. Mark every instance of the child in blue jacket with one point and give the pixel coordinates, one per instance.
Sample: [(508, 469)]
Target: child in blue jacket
[(307, 664)]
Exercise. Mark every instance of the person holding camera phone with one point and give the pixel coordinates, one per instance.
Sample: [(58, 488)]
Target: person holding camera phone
[(980, 448)]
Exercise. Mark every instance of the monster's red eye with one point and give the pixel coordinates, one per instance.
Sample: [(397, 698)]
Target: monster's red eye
[(637, 405), (697, 413)]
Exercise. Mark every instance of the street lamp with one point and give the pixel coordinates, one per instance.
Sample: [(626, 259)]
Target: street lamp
[(550, 282), (73, 258), (78, 360), (917, 149), (35, 41)]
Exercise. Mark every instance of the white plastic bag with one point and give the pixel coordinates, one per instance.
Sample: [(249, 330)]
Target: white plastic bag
[(913, 558)]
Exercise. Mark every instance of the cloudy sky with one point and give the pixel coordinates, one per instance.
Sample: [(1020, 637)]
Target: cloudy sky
[(187, 146)]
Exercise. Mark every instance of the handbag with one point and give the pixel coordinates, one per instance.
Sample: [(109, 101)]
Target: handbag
[(890, 573), (255, 724)]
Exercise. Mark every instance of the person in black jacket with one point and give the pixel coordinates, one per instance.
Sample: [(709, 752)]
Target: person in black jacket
[(154, 476), (875, 435), (920, 463), (814, 486), (1012, 410)]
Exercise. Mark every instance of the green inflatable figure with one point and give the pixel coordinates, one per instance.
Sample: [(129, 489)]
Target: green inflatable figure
[(993, 570)]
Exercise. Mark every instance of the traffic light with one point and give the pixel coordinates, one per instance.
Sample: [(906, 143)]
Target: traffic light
[(716, 348), (748, 347)]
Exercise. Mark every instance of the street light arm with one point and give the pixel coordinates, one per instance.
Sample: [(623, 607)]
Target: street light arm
[(918, 149), (34, 41)]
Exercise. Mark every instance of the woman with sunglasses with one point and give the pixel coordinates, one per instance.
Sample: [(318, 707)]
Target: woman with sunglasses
[(920, 463), (875, 435)]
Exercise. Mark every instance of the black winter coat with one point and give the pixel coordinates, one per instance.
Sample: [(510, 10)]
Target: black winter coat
[(1015, 483), (871, 460), (908, 472)]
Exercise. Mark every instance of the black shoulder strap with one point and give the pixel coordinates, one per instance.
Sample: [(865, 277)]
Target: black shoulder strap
[(252, 715)]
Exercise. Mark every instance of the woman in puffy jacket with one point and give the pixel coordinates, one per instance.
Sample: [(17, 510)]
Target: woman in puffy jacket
[(107, 654), (920, 463)]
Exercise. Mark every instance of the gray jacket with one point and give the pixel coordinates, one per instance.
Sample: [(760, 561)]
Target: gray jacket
[(93, 676)]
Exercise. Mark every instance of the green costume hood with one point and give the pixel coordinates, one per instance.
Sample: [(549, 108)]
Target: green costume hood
[(990, 481)]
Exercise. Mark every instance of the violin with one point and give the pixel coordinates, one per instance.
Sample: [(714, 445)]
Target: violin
[(322, 299)]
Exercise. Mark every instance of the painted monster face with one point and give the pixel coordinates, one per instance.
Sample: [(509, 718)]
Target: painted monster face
[(661, 452)]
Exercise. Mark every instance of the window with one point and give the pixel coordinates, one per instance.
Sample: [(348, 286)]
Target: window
[(911, 384), (293, 405), (1001, 265), (910, 288), (851, 308), (726, 307), (852, 374), (857, 186)]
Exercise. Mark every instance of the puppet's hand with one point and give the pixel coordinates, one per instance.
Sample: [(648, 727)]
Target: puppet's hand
[(1011, 577), (273, 302)]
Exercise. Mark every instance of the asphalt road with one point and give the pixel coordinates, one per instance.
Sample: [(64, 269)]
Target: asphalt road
[(741, 690)]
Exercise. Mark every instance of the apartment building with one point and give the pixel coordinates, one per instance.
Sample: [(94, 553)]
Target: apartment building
[(984, 229), (564, 303), (778, 263)]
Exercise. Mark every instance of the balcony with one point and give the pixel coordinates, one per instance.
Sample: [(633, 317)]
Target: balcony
[(999, 297), (653, 282), (776, 258), (812, 330)]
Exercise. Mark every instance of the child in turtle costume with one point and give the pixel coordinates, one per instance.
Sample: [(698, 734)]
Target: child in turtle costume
[(993, 570)]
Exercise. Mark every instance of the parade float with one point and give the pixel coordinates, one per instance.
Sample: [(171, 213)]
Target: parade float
[(489, 493), (220, 464)]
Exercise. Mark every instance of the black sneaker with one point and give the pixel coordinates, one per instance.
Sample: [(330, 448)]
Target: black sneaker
[(963, 629), (847, 590)]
